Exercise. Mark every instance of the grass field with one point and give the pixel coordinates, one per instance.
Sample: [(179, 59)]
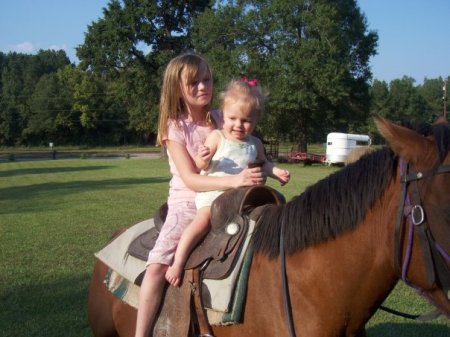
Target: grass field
[(54, 214)]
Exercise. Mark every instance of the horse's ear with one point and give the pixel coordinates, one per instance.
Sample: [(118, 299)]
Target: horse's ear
[(406, 143)]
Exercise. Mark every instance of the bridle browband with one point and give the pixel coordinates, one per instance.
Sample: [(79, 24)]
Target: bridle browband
[(436, 259)]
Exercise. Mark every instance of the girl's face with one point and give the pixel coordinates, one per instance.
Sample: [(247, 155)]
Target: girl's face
[(197, 93), (239, 120)]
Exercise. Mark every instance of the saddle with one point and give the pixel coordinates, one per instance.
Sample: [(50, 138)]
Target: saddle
[(213, 258), (141, 246), (229, 225)]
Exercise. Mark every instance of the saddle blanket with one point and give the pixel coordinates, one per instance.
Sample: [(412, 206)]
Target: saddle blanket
[(224, 305)]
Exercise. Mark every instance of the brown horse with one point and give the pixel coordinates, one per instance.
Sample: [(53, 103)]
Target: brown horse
[(346, 245)]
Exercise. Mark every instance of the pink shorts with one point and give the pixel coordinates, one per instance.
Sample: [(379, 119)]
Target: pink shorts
[(179, 216)]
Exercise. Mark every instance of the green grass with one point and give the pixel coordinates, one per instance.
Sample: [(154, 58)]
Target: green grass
[(54, 214)]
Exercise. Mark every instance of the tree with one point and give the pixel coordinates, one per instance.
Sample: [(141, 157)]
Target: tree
[(19, 75), (380, 97), (129, 47), (44, 108), (136, 31), (311, 55), (139, 96), (405, 104), (11, 107), (431, 91)]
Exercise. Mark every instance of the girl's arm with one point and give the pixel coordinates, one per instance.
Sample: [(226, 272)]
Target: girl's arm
[(198, 183), (269, 168)]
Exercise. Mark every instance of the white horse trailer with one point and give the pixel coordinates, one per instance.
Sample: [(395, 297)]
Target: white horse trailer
[(339, 145)]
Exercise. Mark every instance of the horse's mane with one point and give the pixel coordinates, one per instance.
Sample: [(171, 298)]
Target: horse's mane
[(335, 204), (441, 133)]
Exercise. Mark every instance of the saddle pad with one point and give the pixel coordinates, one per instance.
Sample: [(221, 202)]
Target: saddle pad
[(128, 292), (173, 319), (115, 255), (217, 293), (235, 313), (221, 290)]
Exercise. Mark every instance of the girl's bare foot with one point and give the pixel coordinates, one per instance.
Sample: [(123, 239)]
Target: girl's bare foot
[(173, 275)]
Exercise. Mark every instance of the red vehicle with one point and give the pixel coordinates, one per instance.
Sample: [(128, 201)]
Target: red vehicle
[(305, 157)]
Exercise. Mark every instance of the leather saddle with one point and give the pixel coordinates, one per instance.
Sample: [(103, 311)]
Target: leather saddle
[(213, 258), (229, 226)]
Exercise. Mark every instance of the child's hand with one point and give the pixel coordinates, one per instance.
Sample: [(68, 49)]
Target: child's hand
[(204, 152), (283, 175)]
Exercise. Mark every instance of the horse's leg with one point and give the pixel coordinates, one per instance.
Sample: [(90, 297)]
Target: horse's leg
[(100, 304)]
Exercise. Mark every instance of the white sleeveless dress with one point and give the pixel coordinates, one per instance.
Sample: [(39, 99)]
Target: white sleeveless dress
[(230, 158)]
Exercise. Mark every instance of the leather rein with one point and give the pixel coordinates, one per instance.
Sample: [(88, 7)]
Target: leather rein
[(436, 258)]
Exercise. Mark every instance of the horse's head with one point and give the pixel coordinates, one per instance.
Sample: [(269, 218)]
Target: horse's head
[(422, 242)]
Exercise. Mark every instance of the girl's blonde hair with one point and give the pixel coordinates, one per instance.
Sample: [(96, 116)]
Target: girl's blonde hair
[(248, 93), (171, 105)]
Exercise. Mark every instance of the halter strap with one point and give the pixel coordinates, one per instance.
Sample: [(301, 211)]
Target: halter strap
[(435, 256), (422, 230)]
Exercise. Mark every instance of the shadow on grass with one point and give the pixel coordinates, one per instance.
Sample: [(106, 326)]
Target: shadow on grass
[(35, 191), (417, 329), (51, 309), (47, 170)]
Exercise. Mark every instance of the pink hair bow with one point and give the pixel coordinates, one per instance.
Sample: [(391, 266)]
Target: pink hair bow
[(251, 83)]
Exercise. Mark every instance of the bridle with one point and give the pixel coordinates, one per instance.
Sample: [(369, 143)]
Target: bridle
[(436, 259)]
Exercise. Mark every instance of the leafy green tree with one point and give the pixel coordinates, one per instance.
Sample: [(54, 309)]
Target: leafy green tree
[(20, 74), (11, 106), (129, 48), (312, 56), (43, 104), (379, 94), (380, 97), (138, 95), (405, 104), (133, 31), (431, 91)]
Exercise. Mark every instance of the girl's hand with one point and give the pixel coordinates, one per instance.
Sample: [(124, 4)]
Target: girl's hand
[(250, 177)]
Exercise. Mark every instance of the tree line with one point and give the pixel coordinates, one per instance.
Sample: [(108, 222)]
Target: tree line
[(311, 56)]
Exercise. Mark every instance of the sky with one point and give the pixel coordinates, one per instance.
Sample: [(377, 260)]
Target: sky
[(414, 35)]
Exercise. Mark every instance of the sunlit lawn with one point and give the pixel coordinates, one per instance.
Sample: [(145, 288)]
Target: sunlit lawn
[(54, 214)]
